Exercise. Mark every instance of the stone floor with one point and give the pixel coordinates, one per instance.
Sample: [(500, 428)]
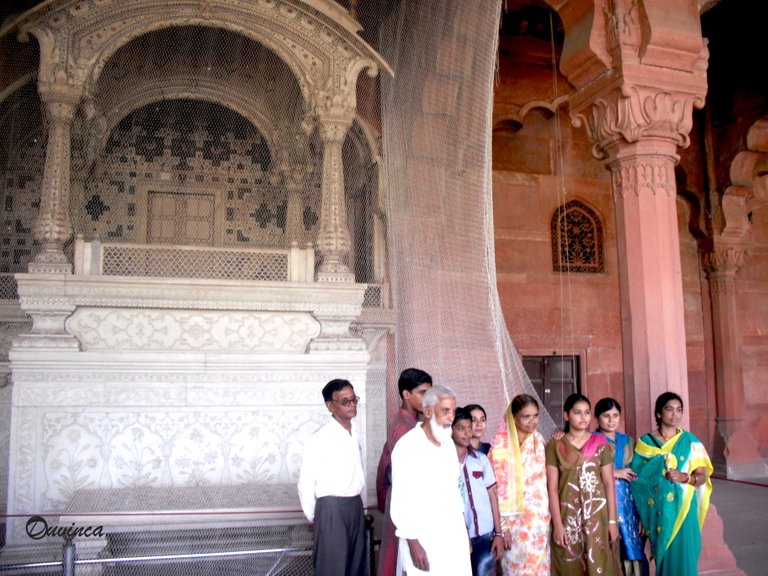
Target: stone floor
[(743, 508)]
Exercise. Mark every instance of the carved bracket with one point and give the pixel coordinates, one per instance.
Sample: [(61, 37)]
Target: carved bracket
[(749, 183)]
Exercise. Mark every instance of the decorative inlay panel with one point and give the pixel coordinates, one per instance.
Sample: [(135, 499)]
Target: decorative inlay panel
[(127, 329), (124, 449)]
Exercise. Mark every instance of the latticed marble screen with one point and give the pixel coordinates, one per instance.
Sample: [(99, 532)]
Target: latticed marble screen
[(175, 158), (577, 239), (22, 153)]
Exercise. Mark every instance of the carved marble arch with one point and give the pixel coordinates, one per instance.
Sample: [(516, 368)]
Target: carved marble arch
[(365, 204), (318, 41), (256, 83), (577, 239)]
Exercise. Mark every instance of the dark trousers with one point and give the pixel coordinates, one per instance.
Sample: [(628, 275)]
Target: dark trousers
[(339, 535), (483, 560)]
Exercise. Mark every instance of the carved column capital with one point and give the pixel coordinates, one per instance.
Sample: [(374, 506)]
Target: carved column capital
[(641, 175), (333, 129), (724, 261), (721, 266), (635, 113), (61, 94), (336, 102)]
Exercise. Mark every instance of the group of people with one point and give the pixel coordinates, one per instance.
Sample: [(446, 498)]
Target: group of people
[(582, 503)]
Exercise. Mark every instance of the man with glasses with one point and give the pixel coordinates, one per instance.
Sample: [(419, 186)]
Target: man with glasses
[(331, 480)]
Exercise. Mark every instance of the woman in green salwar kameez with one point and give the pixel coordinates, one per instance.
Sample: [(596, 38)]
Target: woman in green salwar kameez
[(672, 489)]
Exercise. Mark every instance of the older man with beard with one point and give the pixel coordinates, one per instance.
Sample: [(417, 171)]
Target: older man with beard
[(426, 504)]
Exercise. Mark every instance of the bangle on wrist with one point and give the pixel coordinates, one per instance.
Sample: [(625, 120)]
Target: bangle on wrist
[(611, 521), (498, 534)]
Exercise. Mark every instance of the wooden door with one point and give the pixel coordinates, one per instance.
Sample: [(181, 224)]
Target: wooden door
[(554, 378), (182, 219)]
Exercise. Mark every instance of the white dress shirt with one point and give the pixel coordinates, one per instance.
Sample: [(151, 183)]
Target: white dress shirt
[(332, 465)]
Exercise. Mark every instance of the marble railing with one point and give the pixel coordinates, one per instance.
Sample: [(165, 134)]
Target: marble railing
[(292, 264)]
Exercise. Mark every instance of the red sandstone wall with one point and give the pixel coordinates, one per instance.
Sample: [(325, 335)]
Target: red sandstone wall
[(551, 312)]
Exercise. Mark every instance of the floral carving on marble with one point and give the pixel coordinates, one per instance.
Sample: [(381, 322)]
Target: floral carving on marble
[(54, 226), (120, 329), (126, 449), (72, 462), (333, 241)]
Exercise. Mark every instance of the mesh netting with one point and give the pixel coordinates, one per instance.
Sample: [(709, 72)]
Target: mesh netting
[(191, 158), (437, 137)]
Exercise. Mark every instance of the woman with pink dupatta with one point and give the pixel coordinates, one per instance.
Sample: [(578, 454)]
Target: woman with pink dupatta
[(581, 496), (517, 455)]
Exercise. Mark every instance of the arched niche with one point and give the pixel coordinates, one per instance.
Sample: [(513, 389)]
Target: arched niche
[(365, 212), (22, 153), (578, 240), (201, 63), (210, 161)]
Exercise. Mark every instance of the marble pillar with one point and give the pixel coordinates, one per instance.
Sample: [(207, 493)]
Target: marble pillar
[(333, 240), (54, 225)]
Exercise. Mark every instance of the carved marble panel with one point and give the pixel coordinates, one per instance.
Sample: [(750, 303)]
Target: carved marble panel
[(127, 329), (88, 426), (117, 448)]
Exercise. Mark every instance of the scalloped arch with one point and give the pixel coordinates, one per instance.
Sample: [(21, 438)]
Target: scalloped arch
[(516, 120)]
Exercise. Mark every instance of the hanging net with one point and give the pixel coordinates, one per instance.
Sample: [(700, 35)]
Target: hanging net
[(436, 117), (194, 157)]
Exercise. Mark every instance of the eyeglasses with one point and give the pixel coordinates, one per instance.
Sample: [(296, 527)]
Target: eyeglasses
[(347, 401)]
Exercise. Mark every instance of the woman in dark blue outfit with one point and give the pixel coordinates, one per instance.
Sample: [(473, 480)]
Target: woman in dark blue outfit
[(608, 413)]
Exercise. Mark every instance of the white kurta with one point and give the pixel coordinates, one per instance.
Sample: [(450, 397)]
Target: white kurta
[(426, 505)]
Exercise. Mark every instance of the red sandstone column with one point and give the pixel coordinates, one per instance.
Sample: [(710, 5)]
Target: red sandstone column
[(54, 225), (735, 454), (638, 75), (651, 286)]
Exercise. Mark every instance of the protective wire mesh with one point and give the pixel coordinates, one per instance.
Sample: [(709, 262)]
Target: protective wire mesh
[(192, 161), (436, 117)]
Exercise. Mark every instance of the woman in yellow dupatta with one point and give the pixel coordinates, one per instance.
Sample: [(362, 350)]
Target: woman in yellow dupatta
[(672, 489), (517, 455)]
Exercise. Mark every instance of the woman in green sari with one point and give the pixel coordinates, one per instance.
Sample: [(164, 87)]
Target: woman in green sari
[(672, 489)]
